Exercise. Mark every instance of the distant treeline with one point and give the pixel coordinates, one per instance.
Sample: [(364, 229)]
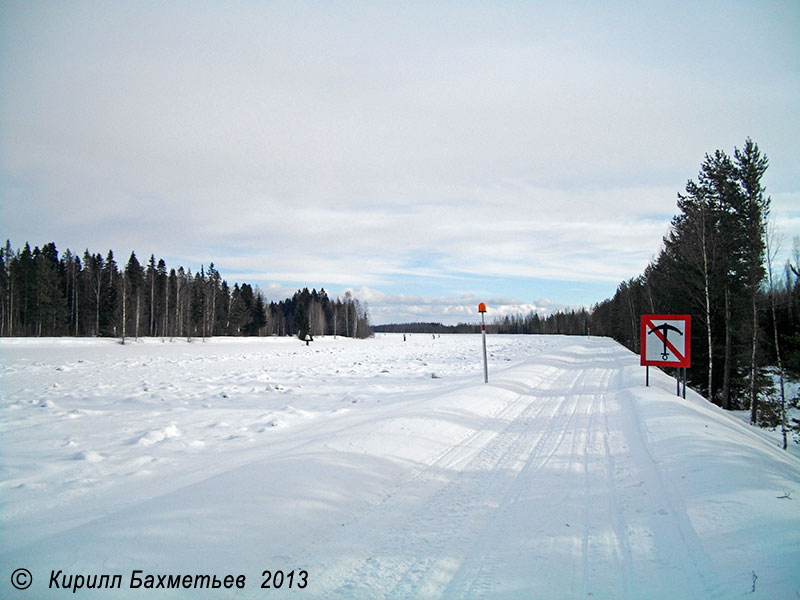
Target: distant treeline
[(575, 322), (426, 328), (43, 293)]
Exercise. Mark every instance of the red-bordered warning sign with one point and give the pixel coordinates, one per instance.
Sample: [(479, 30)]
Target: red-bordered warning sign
[(666, 340)]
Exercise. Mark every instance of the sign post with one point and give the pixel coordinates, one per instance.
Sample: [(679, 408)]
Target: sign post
[(482, 310), (666, 342)]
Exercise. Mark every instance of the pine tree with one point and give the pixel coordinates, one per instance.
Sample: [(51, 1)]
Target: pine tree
[(693, 244), (93, 274), (754, 210), (150, 279), (161, 298), (6, 258), (49, 300), (134, 283), (111, 284), (259, 314)]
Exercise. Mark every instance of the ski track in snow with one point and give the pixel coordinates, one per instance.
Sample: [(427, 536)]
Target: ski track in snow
[(467, 533), (387, 470)]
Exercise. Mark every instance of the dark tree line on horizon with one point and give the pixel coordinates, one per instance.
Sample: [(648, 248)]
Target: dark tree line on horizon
[(574, 322), (43, 293), (426, 327)]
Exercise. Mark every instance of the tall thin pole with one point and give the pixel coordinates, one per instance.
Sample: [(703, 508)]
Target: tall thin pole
[(485, 364), (684, 383)]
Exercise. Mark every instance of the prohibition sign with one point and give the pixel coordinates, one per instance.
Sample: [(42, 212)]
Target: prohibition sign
[(666, 340)]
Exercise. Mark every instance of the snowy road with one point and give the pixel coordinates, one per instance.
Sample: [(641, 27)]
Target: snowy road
[(388, 470)]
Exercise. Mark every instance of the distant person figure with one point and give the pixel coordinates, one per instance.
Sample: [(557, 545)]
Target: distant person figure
[(404, 337)]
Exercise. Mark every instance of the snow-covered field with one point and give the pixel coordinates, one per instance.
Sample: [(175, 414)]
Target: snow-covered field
[(382, 469)]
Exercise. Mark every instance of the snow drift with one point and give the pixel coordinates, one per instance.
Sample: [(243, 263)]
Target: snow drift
[(564, 477)]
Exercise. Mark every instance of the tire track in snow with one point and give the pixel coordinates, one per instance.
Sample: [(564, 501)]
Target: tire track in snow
[(522, 446), (618, 523), (452, 458), (421, 551), (682, 562), (477, 574), (605, 552), (447, 530), (485, 571)]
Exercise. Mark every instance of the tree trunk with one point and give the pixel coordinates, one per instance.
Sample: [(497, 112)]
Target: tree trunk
[(138, 312), (152, 302), (213, 309), (228, 315), (11, 308), (124, 307), (726, 373), (635, 341), (754, 341), (707, 290), (777, 344), (97, 310), (75, 303), (177, 325), (165, 331)]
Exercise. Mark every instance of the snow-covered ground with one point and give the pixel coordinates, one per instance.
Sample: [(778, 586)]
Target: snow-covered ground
[(383, 469)]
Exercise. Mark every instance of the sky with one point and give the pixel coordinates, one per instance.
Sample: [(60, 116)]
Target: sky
[(424, 155)]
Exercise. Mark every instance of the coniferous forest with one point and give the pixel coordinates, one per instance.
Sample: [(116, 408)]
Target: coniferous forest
[(43, 293), (717, 264)]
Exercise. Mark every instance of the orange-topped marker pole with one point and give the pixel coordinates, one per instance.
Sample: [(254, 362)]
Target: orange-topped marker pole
[(482, 310)]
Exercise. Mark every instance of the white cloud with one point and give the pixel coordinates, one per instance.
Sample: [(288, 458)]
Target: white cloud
[(381, 145)]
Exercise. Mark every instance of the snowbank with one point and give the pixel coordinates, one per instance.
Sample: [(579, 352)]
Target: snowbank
[(564, 477)]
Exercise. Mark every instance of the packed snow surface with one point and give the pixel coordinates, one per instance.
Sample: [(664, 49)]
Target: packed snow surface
[(384, 469)]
